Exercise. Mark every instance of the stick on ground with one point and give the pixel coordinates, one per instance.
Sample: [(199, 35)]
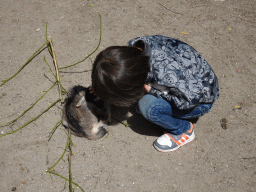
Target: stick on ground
[(56, 66)]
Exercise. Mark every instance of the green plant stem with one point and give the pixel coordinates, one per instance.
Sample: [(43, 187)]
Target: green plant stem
[(32, 119), (65, 179), (91, 52), (125, 124), (57, 124), (29, 107), (46, 32), (106, 136), (5, 81), (69, 161), (63, 89), (47, 40), (50, 69), (60, 156), (56, 67)]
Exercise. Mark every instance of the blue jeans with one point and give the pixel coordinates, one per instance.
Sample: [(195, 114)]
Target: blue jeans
[(173, 120)]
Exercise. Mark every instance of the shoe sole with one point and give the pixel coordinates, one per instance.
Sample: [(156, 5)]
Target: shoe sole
[(191, 138)]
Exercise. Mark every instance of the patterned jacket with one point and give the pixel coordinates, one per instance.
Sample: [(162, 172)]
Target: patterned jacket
[(178, 73)]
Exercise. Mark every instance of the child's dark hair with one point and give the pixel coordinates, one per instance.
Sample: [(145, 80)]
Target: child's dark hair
[(119, 74)]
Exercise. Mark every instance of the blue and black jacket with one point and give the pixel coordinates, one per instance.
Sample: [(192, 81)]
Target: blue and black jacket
[(178, 73)]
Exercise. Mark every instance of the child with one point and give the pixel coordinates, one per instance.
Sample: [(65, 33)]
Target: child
[(179, 83)]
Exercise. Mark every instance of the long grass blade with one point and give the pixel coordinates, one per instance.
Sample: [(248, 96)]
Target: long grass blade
[(69, 160), (91, 52), (65, 179), (24, 65), (56, 66), (32, 119), (53, 130), (29, 107), (60, 156), (62, 88)]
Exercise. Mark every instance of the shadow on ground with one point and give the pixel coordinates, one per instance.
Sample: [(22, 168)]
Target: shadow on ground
[(137, 122)]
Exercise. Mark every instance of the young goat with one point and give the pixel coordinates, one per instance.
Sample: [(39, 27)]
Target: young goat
[(83, 114)]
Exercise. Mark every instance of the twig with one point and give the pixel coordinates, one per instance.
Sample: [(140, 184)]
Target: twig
[(53, 130), (75, 71), (47, 40), (5, 81), (29, 107), (106, 136), (69, 161), (62, 88), (125, 124), (46, 32), (65, 179), (50, 69), (32, 119), (60, 156), (91, 52), (249, 158), (56, 66), (48, 78), (170, 9)]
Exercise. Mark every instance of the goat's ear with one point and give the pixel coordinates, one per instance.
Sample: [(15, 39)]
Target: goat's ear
[(80, 102), (140, 45), (82, 93)]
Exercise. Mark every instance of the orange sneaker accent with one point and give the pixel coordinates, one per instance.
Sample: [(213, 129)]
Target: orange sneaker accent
[(185, 136), (177, 142), (182, 140), (191, 128)]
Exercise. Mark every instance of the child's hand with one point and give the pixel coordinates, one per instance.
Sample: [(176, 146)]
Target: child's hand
[(147, 87), (91, 90)]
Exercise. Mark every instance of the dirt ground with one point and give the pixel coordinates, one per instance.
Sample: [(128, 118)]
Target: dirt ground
[(219, 159)]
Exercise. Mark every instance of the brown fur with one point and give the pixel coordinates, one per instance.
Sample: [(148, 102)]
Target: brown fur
[(83, 118)]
